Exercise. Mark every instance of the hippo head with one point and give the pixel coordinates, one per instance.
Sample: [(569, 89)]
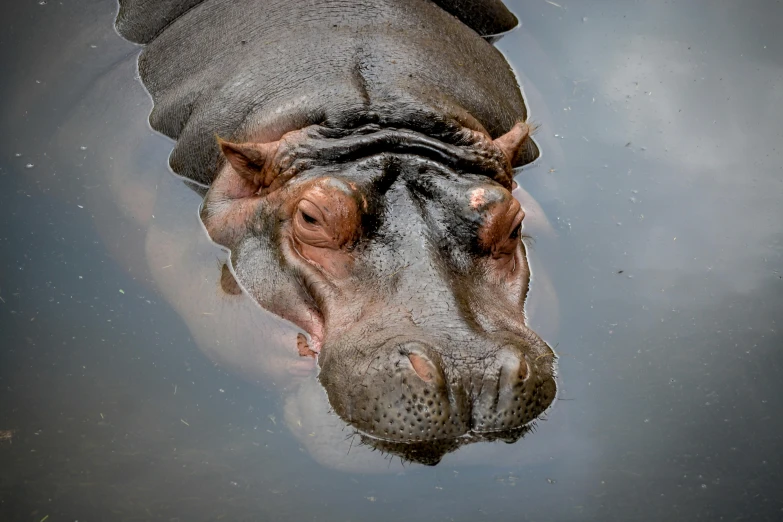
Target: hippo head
[(401, 255)]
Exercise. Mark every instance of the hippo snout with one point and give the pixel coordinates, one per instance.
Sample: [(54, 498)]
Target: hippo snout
[(416, 392), (509, 394)]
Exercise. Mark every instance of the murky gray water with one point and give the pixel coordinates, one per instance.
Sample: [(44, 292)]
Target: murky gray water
[(662, 175)]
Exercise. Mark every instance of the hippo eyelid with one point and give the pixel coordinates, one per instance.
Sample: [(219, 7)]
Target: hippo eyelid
[(311, 212), (307, 217)]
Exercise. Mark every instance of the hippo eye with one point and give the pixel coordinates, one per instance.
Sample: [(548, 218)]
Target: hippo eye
[(516, 225), (324, 221), (318, 226), (516, 232), (509, 244), (309, 214)]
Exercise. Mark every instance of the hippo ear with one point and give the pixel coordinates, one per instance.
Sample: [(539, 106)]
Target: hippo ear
[(513, 144), (251, 161)]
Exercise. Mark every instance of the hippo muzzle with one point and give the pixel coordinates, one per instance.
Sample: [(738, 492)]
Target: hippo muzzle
[(409, 391)]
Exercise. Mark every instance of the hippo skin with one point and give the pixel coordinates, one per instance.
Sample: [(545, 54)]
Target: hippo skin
[(359, 159)]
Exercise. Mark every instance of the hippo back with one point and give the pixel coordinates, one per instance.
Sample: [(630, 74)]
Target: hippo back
[(140, 21), (254, 70)]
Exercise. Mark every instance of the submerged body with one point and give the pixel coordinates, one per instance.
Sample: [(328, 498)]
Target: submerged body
[(361, 180)]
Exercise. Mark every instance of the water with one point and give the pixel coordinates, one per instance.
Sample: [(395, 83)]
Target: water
[(662, 175)]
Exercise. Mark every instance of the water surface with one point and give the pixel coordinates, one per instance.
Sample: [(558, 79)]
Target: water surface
[(662, 173)]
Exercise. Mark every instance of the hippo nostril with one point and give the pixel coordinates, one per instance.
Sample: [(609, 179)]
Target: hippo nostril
[(513, 369), (423, 367), (524, 369), (501, 404), (421, 364)]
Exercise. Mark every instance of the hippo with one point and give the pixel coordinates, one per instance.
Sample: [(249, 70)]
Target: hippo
[(357, 159)]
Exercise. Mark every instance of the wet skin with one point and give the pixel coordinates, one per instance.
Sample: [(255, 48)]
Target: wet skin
[(378, 218), (409, 277)]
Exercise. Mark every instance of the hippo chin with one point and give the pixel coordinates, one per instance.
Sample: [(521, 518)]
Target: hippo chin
[(361, 179)]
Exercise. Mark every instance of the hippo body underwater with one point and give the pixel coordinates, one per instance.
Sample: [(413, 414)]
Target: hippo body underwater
[(357, 159)]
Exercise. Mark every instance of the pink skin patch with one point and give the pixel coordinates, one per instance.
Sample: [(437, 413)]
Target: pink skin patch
[(477, 198), (304, 365), (315, 329), (303, 347)]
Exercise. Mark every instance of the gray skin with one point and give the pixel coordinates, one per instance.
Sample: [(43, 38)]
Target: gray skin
[(405, 124)]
